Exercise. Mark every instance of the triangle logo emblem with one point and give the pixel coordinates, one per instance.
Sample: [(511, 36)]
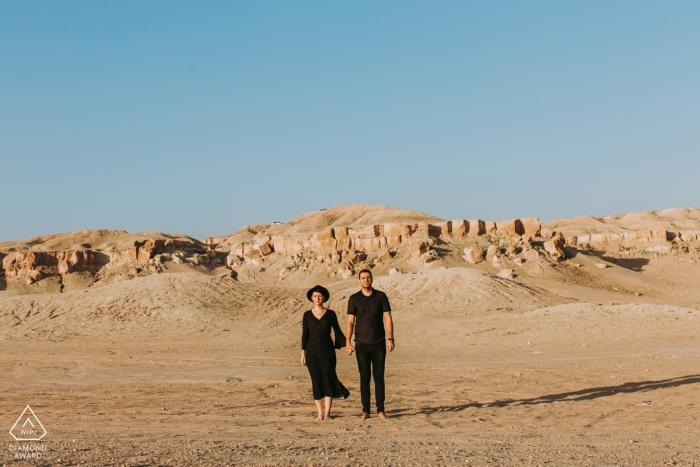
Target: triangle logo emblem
[(28, 427)]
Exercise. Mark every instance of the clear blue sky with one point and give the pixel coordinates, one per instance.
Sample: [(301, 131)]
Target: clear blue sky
[(201, 117)]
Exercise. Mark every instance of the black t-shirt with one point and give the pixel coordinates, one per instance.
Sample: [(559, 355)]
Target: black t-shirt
[(369, 316)]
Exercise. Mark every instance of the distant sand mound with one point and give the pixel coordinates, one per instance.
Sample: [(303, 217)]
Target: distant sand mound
[(84, 239), (456, 287), (355, 216), (80, 239), (682, 218), (580, 224), (669, 219)]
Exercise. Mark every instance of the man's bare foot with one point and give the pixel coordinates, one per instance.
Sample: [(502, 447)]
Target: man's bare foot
[(364, 416), (382, 415), (319, 418), (328, 417)]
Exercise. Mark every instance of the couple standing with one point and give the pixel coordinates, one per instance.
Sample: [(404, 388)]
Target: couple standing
[(368, 311)]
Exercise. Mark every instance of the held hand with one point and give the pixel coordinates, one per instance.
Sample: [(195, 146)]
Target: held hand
[(303, 359), (389, 346), (349, 348)]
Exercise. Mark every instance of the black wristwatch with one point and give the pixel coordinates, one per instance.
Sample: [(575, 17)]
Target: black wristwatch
[(391, 339)]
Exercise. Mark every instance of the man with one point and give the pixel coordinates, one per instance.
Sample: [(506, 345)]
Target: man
[(368, 312)]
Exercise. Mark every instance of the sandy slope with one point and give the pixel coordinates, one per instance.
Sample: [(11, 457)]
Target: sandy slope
[(355, 216), (669, 219)]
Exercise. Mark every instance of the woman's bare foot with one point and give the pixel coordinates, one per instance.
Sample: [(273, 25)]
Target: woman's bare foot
[(364, 416), (382, 415), (328, 417), (319, 418)]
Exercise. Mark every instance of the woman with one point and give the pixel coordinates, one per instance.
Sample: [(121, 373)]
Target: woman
[(318, 351)]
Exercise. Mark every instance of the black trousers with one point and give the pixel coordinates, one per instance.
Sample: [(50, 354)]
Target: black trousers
[(370, 361)]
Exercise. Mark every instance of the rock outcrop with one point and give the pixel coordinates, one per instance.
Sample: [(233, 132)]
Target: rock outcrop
[(531, 226), (418, 248), (505, 273), (111, 261), (689, 235), (474, 254), (37, 265), (641, 236), (333, 242), (492, 252), (555, 246), (144, 250)]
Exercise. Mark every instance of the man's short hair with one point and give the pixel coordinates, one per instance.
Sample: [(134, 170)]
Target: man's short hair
[(367, 271)]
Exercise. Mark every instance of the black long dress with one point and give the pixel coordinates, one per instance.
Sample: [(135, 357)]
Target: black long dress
[(320, 353)]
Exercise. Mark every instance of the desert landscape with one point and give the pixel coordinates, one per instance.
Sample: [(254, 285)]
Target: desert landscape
[(573, 342)]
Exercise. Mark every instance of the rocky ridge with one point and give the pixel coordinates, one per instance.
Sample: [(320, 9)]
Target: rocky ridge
[(56, 263), (333, 244), (315, 247)]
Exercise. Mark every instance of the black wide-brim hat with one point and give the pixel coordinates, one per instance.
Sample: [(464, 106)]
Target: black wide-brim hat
[(321, 289)]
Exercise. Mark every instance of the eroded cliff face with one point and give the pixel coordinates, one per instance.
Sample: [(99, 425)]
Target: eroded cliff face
[(33, 266), (43, 263), (395, 235), (374, 237), (352, 249)]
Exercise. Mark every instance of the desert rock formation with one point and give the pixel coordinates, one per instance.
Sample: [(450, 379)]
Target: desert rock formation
[(334, 244), (54, 263)]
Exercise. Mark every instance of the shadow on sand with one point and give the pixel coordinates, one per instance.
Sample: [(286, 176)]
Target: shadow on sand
[(633, 264), (582, 395)]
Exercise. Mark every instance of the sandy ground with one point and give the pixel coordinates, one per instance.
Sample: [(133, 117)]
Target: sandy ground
[(567, 383)]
